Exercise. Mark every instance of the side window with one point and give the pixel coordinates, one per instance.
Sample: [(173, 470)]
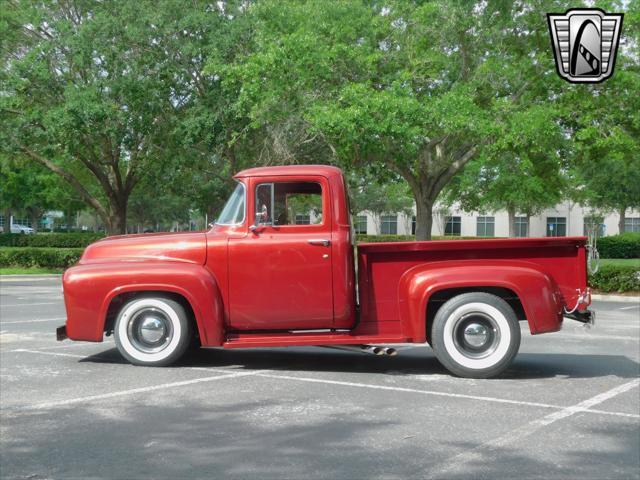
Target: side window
[(289, 203)]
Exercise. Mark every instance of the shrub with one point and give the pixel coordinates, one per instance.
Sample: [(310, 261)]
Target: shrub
[(361, 238), (39, 257), (626, 245), (616, 278), (58, 240)]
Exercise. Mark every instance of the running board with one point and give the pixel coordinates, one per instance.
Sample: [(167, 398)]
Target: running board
[(248, 340)]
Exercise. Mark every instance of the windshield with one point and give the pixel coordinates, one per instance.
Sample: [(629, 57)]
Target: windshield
[(233, 211)]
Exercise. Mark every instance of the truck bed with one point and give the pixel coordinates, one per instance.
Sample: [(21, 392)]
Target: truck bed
[(381, 266)]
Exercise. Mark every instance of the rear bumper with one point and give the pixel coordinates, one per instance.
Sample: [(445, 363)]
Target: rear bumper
[(587, 317), (61, 333)]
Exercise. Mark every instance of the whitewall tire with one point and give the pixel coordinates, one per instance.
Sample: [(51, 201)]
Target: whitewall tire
[(152, 331), (476, 335)]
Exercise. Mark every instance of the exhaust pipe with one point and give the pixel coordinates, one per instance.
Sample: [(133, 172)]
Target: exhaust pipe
[(370, 349)]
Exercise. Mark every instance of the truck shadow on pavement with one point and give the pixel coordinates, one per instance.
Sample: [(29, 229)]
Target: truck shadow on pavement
[(409, 362)]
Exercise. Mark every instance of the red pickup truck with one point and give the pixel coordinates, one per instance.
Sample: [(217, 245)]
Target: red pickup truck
[(278, 269)]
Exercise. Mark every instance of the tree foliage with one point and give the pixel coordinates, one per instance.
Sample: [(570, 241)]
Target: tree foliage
[(98, 92), (369, 195), (521, 172), (418, 88), (606, 167), (130, 102)]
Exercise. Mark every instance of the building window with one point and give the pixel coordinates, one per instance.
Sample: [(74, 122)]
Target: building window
[(360, 224), (521, 226), (413, 225), (632, 224), (302, 219), (486, 227), (556, 226), (453, 226), (389, 224), (593, 225)]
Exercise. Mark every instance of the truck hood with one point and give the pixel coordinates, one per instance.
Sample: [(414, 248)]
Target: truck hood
[(190, 247)]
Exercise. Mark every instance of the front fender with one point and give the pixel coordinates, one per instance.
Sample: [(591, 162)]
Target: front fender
[(90, 288), (538, 293)]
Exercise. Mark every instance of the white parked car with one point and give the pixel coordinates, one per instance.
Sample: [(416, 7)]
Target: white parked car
[(17, 228)]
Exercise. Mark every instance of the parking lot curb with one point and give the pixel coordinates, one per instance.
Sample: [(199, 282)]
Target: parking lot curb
[(616, 298)]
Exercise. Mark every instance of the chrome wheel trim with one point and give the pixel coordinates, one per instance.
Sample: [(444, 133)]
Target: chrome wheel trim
[(476, 335), (149, 330)]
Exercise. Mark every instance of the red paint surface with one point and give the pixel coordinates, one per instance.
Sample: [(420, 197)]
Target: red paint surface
[(248, 289)]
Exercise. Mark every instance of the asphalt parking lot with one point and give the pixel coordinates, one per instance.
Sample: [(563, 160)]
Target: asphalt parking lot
[(569, 407)]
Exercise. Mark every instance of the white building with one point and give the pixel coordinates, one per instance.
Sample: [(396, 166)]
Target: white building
[(565, 219)]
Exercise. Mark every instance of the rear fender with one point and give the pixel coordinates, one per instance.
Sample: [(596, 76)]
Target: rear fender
[(538, 293), (89, 290)]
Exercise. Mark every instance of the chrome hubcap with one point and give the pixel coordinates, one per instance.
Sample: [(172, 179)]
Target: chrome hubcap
[(152, 329), (476, 335), (149, 330)]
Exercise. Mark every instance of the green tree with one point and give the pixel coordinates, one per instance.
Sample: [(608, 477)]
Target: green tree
[(521, 172), (417, 88), (95, 91), (29, 190), (605, 122), (378, 198)]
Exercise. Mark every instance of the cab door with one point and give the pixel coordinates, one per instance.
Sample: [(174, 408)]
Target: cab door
[(280, 274)]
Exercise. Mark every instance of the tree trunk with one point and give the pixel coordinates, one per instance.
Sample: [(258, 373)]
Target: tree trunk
[(116, 224), (7, 220), (377, 223), (424, 218), (512, 221), (34, 217), (622, 212)]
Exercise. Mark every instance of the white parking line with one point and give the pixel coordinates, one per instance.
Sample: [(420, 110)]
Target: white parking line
[(56, 354), (629, 308), (153, 388), (581, 407), (598, 338), (28, 304), (476, 454), (107, 343), (443, 394), (35, 320)]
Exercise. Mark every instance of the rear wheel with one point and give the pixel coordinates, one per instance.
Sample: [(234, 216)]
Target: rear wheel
[(476, 335), (152, 331)]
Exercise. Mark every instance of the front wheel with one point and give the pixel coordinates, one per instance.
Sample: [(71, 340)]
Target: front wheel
[(476, 335), (152, 331)]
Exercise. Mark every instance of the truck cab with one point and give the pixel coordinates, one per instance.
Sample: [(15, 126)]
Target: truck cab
[(289, 250), (277, 269)]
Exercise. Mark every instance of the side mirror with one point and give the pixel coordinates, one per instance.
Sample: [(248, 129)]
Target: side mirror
[(260, 219), (264, 214)]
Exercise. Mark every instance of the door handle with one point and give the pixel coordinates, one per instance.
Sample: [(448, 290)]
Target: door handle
[(320, 242)]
